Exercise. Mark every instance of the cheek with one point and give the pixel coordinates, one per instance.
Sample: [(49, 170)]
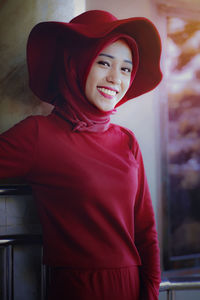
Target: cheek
[(126, 84), (95, 78), (91, 80), (90, 86)]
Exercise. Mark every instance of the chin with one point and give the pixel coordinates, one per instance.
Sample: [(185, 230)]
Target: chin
[(106, 109)]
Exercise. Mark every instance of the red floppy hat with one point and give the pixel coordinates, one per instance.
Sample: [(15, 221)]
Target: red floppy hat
[(43, 44)]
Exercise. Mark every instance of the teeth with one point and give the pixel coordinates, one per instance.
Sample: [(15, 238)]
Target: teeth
[(106, 91)]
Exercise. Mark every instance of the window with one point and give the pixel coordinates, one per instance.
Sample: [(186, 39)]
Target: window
[(182, 174)]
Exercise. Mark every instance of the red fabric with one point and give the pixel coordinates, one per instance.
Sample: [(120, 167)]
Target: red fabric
[(71, 102), (100, 284), (92, 196)]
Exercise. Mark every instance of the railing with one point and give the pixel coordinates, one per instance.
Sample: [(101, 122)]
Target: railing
[(14, 189), (181, 283)]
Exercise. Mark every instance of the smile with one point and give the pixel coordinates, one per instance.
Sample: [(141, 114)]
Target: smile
[(107, 91)]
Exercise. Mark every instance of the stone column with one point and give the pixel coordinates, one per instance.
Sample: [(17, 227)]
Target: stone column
[(16, 20)]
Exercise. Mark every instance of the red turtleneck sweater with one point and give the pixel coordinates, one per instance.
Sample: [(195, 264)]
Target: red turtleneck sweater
[(91, 192)]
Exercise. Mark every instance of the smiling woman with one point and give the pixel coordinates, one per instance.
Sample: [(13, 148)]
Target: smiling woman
[(87, 175), (110, 76)]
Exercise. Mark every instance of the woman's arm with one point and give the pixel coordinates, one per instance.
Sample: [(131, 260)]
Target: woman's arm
[(17, 149), (146, 236)]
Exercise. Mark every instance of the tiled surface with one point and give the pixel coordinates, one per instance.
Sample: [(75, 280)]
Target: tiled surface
[(18, 215)]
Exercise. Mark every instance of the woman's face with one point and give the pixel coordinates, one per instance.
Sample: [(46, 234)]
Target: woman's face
[(109, 76)]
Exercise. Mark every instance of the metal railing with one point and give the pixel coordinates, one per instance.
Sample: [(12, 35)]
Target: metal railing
[(170, 286), (15, 189)]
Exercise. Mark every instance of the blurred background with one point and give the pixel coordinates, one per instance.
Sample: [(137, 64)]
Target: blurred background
[(166, 122)]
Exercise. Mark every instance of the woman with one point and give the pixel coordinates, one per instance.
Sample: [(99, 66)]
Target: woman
[(87, 175)]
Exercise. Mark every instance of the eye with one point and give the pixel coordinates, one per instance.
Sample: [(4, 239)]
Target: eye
[(103, 63), (126, 70)]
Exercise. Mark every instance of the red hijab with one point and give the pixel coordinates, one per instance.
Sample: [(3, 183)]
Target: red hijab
[(72, 71)]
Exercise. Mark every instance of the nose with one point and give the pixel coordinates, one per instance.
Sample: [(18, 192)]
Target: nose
[(114, 77)]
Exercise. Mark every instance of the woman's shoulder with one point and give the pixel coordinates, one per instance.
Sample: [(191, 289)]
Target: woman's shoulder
[(36, 122), (125, 133), (129, 138), (29, 126), (29, 121)]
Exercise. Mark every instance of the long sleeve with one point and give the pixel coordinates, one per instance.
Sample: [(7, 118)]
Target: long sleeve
[(146, 237), (17, 149)]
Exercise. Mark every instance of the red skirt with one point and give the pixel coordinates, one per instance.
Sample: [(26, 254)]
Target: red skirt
[(100, 284)]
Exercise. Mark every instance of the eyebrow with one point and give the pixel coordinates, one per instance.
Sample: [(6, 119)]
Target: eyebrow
[(110, 56)]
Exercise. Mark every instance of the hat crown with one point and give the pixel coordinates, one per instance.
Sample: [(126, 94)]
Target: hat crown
[(94, 17)]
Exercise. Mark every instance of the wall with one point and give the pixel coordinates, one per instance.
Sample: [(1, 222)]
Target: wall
[(16, 20)]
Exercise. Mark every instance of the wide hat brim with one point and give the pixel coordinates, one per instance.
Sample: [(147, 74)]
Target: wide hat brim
[(43, 43)]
